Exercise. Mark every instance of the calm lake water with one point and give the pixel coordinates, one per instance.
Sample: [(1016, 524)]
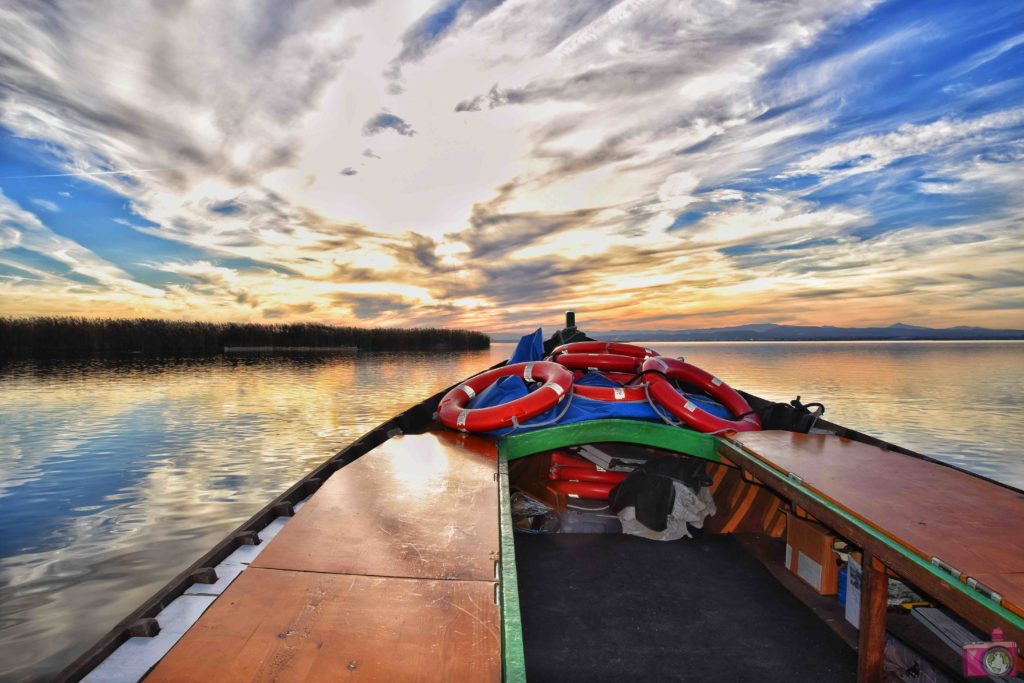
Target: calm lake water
[(114, 476)]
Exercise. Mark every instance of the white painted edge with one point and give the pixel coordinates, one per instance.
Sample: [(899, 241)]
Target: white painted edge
[(135, 657)]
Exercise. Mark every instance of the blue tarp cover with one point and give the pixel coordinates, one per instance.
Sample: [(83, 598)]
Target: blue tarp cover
[(530, 347), (572, 408)]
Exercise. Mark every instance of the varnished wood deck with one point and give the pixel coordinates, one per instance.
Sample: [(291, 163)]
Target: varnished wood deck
[(387, 574), (417, 506), (936, 511)]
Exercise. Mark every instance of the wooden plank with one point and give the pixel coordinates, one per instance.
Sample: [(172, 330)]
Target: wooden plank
[(934, 510), (273, 625), (421, 506), (871, 645)]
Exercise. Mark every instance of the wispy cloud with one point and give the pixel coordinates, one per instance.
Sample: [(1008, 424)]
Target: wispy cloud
[(81, 174), (46, 204), (874, 152), (82, 275)]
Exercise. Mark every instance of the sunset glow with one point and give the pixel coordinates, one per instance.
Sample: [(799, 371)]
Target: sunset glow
[(487, 164)]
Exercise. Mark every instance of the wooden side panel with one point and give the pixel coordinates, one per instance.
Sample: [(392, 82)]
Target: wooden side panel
[(285, 626), (928, 507), (743, 507), (417, 506)]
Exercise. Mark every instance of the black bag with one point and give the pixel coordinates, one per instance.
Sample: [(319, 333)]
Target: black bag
[(649, 488)]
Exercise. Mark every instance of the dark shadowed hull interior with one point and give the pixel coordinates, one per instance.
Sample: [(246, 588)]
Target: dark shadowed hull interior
[(602, 607)]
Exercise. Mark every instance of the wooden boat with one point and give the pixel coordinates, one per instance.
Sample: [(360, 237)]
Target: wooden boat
[(396, 560)]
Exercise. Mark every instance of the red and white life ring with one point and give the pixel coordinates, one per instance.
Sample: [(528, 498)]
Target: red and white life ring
[(689, 412), (604, 362), (452, 411), (617, 348), (580, 478), (631, 392)]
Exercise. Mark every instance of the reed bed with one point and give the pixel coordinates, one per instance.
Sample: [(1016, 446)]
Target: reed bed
[(69, 337)]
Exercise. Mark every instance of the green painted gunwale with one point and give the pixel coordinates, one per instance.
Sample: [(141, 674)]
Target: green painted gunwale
[(677, 439), (513, 662)]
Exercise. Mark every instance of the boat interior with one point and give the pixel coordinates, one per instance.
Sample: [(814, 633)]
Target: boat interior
[(597, 604)]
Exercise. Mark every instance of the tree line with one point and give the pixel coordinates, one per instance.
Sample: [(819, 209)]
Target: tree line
[(67, 337)]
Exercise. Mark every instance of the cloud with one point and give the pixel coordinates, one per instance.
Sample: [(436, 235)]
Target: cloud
[(386, 120), (46, 204), (495, 97), (374, 307), (874, 152), (646, 162), (446, 17), (215, 109), (289, 311), (21, 229)]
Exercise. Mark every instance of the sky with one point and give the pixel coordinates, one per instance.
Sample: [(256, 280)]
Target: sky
[(488, 164)]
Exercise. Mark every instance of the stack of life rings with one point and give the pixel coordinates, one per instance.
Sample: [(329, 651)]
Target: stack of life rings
[(636, 374)]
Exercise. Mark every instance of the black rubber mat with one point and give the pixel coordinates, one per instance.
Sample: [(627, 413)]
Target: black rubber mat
[(620, 608)]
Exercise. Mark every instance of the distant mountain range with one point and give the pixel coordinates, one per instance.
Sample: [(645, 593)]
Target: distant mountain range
[(773, 332)]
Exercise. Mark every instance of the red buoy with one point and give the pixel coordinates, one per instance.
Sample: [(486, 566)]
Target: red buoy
[(604, 362), (664, 393), (584, 489), (591, 474), (605, 347), (451, 411), (633, 392)]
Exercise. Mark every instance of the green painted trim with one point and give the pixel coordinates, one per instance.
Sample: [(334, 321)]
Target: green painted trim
[(513, 661), (892, 544), (677, 439)]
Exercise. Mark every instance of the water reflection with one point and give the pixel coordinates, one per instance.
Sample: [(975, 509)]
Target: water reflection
[(114, 476), (957, 401)]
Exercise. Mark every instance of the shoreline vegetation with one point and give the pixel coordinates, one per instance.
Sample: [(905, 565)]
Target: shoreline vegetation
[(73, 337)]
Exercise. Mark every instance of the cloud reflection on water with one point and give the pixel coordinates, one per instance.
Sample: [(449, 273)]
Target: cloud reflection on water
[(115, 476)]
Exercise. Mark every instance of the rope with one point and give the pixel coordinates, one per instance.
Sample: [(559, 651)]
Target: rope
[(516, 425), (657, 409), (646, 372)]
